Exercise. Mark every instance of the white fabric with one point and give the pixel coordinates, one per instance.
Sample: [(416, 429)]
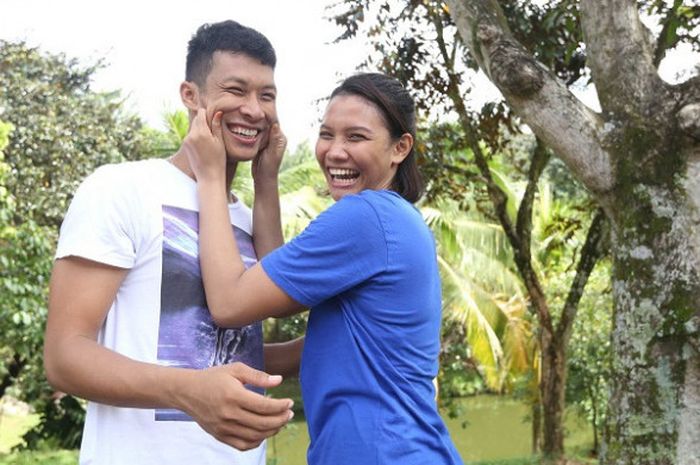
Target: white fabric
[(122, 216)]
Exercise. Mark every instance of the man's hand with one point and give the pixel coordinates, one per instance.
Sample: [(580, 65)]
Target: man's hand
[(205, 148), (266, 165), (219, 402)]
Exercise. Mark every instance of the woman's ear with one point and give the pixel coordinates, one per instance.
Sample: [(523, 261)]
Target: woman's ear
[(402, 148), (189, 94)]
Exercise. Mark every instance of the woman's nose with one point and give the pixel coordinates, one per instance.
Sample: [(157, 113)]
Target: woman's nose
[(336, 150)]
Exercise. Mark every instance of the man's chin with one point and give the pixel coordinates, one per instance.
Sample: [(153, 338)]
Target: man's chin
[(240, 156)]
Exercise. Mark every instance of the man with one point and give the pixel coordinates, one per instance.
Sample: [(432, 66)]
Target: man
[(128, 326)]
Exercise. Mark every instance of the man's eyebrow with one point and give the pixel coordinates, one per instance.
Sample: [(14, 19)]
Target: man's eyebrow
[(240, 81)]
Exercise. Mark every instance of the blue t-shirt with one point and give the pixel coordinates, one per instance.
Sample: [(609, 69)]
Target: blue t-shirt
[(367, 268)]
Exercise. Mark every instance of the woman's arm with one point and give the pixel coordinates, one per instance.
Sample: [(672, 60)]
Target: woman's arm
[(235, 297)]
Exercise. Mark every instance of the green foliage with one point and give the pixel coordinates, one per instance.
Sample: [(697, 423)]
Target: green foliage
[(482, 296), (25, 261), (679, 21), (159, 144), (63, 129), (60, 425), (590, 353)]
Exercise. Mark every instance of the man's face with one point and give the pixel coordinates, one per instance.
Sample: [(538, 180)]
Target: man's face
[(244, 90)]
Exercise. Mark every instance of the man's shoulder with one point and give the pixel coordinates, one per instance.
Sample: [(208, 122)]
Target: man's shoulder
[(129, 168), (123, 176)]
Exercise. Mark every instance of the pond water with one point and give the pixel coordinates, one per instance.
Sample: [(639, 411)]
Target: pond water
[(496, 428)]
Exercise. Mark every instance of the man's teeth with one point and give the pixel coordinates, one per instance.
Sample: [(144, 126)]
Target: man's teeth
[(343, 173), (245, 132)]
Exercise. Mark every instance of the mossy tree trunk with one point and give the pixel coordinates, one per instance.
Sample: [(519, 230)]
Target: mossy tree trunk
[(640, 158)]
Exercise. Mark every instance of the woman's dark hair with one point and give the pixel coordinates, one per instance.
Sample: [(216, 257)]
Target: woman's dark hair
[(398, 110), (227, 36)]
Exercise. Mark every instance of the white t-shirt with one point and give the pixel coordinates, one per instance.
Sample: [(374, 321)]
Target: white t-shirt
[(144, 216)]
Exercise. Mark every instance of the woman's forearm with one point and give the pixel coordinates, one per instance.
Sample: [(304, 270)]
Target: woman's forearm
[(267, 225), (219, 256)]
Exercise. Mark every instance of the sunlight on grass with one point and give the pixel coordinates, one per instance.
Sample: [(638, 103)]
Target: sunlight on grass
[(61, 457), (12, 427)]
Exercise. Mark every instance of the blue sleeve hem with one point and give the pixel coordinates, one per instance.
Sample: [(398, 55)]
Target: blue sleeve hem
[(291, 290)]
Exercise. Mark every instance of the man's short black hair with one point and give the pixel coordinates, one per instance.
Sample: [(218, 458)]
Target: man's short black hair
[(227, 36)]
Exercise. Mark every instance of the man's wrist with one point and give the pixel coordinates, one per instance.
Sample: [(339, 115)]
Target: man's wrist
[(177, 384), (266, 184)]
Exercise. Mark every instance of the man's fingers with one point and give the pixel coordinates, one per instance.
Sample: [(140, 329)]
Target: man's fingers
[(262, 405), (248, 375), (259, 424)]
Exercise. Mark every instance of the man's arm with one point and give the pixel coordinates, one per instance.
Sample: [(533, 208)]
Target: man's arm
[(284, 357), (81, 294), (267, 225)]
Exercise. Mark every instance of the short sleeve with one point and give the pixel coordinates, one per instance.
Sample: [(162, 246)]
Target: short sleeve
[(343, 247), (97, 225)]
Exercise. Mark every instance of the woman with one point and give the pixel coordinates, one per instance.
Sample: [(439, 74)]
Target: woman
[(367, 269)]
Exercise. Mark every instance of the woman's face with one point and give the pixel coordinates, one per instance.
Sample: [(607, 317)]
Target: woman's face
[(354, 147)]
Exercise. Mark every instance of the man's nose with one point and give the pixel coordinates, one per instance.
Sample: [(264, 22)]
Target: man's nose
[(252, 108)]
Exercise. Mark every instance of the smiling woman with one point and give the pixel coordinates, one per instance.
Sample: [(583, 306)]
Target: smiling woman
[(355, 149), (366, 138)]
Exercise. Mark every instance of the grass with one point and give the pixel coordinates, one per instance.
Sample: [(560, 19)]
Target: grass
[(521, 461), (59, 457)]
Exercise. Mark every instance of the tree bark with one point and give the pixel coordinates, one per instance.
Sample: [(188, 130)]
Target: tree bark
[(552, 393)]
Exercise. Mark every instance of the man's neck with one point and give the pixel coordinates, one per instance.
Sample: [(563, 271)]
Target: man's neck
[(181, 162)]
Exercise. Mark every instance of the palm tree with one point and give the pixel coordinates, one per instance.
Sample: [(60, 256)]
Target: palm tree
[(481, 292)]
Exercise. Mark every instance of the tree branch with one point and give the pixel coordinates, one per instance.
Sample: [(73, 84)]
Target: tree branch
[(619, 55), (564, 124), (523, 226), (592, 251)]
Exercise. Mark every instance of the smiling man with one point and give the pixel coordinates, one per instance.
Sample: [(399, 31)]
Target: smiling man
[(129, 328)]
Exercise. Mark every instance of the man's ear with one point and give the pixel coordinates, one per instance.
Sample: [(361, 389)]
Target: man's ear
[(189, 94), (402, 148)]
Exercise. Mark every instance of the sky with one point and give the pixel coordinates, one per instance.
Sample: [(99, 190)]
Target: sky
[(144, 43)]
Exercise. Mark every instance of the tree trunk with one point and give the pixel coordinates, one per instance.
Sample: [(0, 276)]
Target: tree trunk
[(536, 427), (654, 410), (552, 390)]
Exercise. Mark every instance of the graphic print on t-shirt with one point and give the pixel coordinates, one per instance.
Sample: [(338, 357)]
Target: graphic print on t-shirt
[(188, 337)]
